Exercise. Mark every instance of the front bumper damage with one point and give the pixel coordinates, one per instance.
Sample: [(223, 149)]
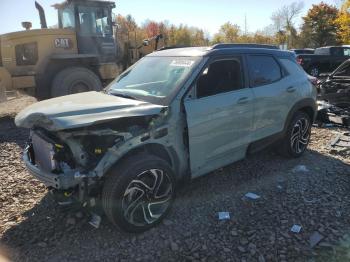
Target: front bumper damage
[(66, 187), (62, 181)]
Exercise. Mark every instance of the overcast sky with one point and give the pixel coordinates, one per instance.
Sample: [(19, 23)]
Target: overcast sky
[(206, 14)]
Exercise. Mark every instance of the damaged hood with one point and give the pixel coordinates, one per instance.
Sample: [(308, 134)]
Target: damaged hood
[(80, 110)]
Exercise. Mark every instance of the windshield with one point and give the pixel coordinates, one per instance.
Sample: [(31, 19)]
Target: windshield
[(153, 79)]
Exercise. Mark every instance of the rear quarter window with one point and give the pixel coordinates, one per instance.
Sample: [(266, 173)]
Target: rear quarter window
[(292, 67), (263, 70)]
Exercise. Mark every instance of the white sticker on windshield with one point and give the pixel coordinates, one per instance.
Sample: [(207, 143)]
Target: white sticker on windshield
[(182, 63)]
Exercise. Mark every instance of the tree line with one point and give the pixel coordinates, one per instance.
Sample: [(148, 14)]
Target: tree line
[(323, 25)]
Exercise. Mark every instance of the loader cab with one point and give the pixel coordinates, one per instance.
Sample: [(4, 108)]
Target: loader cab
[(92, 21)]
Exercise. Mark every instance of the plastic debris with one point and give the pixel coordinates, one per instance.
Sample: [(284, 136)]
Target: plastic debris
[(315, 238), (95, 221), (252, 196), (224, 215), (300, 168), (296, 229), (310, 201), (338, 213)]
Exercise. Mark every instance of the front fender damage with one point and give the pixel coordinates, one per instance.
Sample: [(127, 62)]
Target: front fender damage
[(95, 150)]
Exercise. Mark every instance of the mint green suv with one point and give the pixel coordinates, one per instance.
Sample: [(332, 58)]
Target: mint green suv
[(176, 114)]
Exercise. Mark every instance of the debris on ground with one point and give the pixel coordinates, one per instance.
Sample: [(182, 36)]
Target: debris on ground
[(252, 196), (300, 168), (332, 114), (12, 107), (341, 143), (95, 220), (224, 215), (296, 229), (253, 235), (315, 238)]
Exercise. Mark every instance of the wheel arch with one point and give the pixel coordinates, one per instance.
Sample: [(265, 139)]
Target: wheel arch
[(306, 105), (165, 153)]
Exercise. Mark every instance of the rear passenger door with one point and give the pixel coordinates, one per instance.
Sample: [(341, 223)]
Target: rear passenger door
[(273, 94), (219, 116)]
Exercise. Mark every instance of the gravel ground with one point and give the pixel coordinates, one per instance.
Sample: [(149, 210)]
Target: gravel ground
[(318, 199), (15, 104)]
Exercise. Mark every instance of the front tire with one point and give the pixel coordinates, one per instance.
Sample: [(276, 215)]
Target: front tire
[(75, 80), (297, 137), (138, 193)]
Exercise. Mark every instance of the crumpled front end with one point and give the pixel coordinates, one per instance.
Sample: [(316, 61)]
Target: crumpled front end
[(73, 162)]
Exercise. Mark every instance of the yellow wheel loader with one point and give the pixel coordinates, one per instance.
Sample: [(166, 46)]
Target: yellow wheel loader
[(80, 55)]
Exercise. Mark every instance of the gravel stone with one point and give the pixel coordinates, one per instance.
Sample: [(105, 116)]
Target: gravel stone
[(35, 229), (174, 246)]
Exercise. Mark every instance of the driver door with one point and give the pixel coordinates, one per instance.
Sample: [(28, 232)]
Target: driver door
[(219, 116)]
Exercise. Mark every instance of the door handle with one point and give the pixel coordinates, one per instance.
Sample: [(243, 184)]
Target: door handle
[(291, 89), (242, 100)]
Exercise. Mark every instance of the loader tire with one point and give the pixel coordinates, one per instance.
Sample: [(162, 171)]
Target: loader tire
[(74, 80)]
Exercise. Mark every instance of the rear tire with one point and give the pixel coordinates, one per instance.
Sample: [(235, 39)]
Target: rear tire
[(297, 137), (75, 80), (314, 71), (138, 192)]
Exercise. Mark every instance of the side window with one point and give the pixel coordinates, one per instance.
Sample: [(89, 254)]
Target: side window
[(292, 67), (94, 21), (67, 18), (263, 70), (220, 77), (337, 51)]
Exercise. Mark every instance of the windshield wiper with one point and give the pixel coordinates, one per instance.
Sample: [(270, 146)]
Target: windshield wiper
[(123, 95)]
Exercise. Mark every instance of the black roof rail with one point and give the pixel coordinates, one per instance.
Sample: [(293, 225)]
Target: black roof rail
[(222, 46), (172, 47)]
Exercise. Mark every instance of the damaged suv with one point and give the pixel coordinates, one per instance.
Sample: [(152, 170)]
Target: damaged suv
[(175, 115)]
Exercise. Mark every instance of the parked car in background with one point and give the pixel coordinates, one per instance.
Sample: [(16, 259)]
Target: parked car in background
[(336, 88), (324, 60), (309, 51), (175, 115)]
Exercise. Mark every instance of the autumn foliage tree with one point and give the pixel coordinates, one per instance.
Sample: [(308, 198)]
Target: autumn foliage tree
[(320, 26), (228, 33), (343, 22)]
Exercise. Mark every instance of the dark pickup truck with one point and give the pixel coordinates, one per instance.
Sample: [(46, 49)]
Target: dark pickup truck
[(324, 60)]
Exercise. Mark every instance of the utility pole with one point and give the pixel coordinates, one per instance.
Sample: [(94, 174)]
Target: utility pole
[(245, 25)]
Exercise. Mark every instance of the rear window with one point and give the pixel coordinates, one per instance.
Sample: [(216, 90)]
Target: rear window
[(263, 70)]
